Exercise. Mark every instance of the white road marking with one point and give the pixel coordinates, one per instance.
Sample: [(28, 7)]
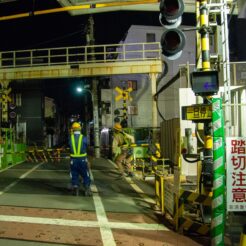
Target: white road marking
[(138, 226), (46, 170), (95, 224), (103, 223), (136, 188), (7, 188), (105, 230)]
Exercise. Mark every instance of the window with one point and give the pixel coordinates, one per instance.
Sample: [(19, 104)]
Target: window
[(150, 37)]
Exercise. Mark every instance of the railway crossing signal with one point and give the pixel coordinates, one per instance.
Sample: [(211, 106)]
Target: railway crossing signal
[(123, 94), (173, 39)]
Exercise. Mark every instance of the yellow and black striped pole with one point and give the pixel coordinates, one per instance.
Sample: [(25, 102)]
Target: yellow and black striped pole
[(208, 140), (124, 109), (198, 37), (203, 64), (204, 36)]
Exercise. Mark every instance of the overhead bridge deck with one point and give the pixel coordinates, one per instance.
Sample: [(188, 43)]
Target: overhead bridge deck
[(81, 61)]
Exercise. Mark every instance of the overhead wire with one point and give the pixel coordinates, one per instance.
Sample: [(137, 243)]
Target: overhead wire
[(59, 38)]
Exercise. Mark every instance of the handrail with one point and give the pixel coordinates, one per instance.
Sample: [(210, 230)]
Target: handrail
[(80, 55)]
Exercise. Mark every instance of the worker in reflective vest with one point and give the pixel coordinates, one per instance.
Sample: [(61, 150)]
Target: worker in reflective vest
[(79, 163), (120, 148)]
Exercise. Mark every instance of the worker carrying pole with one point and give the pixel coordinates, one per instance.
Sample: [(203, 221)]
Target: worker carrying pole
[(121, 147), (79, 163)]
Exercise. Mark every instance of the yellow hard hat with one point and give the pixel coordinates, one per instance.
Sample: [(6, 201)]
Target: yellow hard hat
[(117, 126), (76, 126)]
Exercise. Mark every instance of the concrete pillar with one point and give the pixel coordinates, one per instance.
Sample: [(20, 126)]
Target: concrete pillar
[(153, 77)]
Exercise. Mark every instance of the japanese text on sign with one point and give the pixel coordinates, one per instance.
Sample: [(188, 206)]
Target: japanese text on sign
[(197, 112), (236, 173)]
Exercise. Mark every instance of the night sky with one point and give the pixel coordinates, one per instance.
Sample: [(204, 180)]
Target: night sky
[(61, 29)]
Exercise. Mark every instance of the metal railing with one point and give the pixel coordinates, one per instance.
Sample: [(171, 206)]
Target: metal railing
[(80, 55)]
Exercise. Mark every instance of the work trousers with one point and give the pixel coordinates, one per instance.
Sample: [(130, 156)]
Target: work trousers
[(79, 167), (123, 161)]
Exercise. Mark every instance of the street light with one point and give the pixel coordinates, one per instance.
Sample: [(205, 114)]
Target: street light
[(87, 105), (95, 120), (79, 89)]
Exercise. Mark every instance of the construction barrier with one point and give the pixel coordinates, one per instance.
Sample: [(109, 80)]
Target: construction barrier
[(185, 223), (11, 153), (159, 191), (175, 205), (191, 226), (147, 157), (11, 156), (164, 191), (42, 154), (194, 197)]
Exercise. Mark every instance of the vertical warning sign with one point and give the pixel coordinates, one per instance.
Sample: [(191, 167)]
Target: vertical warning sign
[(236, 173)]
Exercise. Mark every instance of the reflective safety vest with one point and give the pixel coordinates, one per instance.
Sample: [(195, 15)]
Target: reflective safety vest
[(76, 152)]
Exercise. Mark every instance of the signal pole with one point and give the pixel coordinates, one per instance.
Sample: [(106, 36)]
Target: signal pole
[(205, 83), (207, 164), (213, 163), (91, 41)]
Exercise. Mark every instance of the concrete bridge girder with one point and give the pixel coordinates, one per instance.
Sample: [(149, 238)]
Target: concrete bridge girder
[(84, 70)]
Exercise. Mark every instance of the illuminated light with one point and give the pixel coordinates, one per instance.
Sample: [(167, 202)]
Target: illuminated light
[(105, 130), (79, 89)]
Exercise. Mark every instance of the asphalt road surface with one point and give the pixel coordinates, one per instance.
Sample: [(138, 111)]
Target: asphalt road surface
[(37, 208)]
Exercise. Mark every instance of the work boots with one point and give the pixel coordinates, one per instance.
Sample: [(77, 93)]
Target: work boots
[(76, 191), (88, 191)]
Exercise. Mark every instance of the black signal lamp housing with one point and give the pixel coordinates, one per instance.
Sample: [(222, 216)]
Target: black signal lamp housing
[(171, 12), (172, 39), (172, 43)]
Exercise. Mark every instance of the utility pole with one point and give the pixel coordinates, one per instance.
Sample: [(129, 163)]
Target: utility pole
[(90, 40)]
